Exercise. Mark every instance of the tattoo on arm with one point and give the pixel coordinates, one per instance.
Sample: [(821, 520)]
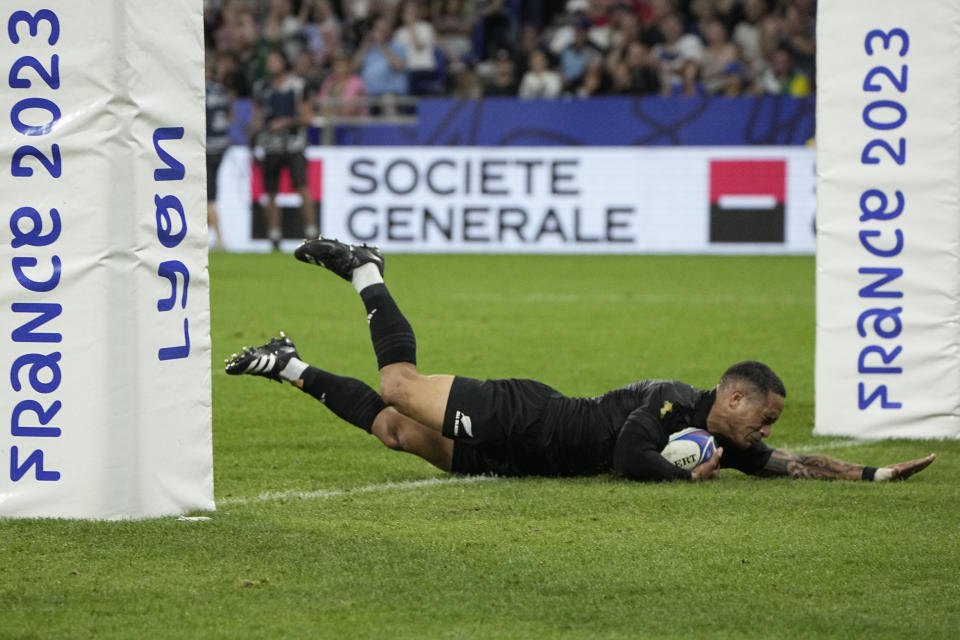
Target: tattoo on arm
[(786, 464)]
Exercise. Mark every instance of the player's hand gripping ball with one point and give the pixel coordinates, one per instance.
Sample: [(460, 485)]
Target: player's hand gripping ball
[(690, 447)]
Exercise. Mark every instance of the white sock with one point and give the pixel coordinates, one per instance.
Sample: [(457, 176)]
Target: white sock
[(311, 231), (366, 275), (294, 370), (883, 474)]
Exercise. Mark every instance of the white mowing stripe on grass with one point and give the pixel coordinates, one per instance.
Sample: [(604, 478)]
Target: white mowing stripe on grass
[(323, 494), (826, 444)]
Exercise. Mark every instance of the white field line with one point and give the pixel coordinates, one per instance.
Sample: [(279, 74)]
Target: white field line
[(826, 444), (323, 494)]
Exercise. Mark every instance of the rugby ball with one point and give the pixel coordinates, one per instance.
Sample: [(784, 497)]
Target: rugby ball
[(690, 447)]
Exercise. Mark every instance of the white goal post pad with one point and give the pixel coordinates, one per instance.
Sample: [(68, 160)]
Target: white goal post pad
[(888, 215), (105, 330)]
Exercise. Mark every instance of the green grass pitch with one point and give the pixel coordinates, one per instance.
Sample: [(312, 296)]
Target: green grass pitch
[(323, 533)]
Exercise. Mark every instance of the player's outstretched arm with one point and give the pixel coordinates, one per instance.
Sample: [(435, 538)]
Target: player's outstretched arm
[(785, 464)]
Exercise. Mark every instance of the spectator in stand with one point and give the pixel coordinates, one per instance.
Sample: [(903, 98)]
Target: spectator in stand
[(360, 11), (211, 21), (282, 28), (677, 49), (467, 85), (230, 74), (621, 82), (219, 27), (418, 39), (382, 66), (454, 22), (734, 80), (748, 35), (598, 14), (540, 81), (624, 26), (530, 41), (688, 84), (342, 93), (796, 33), (281, 113), (783, 78), (596, 81), (503, 82), (729, 12), (577, 56), (239, 36), (359, 17), (639, 71), (493, 30), (563, 35), (701, 12), (537, 13), (717, 54), (642, 10), (650, 20), (321, 31), (305, 66)]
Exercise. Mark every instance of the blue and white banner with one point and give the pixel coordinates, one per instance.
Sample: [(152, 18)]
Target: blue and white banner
[(105, 313), (888, 244)]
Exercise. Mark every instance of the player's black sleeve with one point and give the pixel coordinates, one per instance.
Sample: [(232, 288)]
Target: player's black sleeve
[(637, 452), (750, 461)]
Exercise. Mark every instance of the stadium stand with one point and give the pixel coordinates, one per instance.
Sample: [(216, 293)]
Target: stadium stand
[(466, 48)]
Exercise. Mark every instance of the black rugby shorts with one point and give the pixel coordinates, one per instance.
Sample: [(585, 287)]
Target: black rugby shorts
[(495, 424), (272, 163)]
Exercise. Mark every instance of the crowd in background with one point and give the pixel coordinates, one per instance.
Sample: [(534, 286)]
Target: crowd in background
[(295, 60), (347, 50)]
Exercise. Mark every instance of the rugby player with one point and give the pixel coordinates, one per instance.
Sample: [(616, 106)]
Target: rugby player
[(281, 113), (523, 427)]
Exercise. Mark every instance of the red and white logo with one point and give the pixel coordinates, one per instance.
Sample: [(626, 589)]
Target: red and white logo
[(747, 200)]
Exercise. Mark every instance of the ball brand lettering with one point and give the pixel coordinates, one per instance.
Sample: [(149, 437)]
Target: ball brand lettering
[(683, 462)]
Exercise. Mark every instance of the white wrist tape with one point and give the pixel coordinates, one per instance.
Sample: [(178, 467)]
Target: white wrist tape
[(883, 474)]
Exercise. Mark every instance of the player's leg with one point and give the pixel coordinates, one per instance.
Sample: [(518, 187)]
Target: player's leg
[(213, 223), (355, 402), (297, 164), (402, 433), (348, 398), (423, 398), (213, 166), (272, 163)]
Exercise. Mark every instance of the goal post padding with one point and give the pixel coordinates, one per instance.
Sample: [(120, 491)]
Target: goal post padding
[(888, 219), (105, 289)]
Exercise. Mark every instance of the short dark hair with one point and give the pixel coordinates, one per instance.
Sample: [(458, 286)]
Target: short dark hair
[(758, 375)]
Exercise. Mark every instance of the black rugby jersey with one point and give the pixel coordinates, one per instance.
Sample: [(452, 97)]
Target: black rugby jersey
[(624, 431)]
